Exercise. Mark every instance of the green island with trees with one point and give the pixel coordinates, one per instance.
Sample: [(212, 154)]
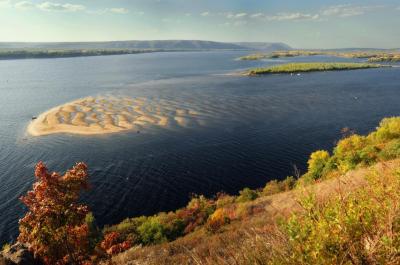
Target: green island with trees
[(371, 56), (344, 210), (309, 67)]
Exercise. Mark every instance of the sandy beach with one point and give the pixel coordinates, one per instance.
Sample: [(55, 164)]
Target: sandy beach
[(102, 115)]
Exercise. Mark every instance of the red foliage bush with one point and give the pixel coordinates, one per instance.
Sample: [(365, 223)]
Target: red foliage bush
[(112, 244), (54, 226)]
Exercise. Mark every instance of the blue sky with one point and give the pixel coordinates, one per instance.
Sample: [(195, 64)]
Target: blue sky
[(302, 24)]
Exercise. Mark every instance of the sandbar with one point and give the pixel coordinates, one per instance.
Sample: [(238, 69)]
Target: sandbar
[(108, 114)]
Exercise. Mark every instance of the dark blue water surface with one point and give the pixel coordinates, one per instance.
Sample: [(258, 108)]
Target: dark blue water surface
[(257, 128)]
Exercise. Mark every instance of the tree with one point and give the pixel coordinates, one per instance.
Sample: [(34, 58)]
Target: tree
[(316, 164), (55, 227)]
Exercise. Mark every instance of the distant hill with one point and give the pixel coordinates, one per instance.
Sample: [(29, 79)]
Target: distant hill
[(152, 44)]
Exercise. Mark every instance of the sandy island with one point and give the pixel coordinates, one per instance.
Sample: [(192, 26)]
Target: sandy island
[(101, 115)]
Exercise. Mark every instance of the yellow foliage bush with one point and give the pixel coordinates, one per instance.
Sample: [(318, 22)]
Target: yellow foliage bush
[(361, 228), (218, 219)]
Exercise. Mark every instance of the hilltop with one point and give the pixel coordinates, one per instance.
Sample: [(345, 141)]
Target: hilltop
[(28, 50), (148, 44)]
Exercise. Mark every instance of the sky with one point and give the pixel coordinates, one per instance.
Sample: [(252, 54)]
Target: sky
[(300, 24)]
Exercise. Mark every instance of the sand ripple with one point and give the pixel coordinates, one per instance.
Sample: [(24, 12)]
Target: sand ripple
[(101, 115)]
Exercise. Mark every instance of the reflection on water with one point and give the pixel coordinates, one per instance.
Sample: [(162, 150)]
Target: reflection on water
[(245, 131)]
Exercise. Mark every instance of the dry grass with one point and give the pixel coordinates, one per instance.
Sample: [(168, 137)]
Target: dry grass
[(252, 240)]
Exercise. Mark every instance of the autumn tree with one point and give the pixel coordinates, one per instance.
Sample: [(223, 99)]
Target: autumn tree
[(55, 227)]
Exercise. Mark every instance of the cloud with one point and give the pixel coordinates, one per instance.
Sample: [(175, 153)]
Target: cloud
[(119, 10), (205, 14), (256, 15), (57, 7), (240, 15), (277, 17), (348, 10), (236, 23), (292, 16), (23, 5), (237, 16)]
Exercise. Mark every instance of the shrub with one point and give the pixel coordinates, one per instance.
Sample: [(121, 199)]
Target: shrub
[(389, 128), (243, 210), (127, 229), (223, 200), (196, 212), (173, 225), (275, 186), (217, 220), (316, 164), (360, 228), (55, 226), (391, 150), (347, 152), (94, 232), (152, 231), (246, 195), (272, 187), (287, 184), (112, 244), (6, 247)]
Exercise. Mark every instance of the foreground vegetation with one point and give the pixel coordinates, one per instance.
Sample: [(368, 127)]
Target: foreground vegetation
[(309, 67), (350, 224), (372, 56), (62, 53)]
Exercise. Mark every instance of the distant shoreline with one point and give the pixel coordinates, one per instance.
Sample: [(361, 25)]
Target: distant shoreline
[(20, 54)]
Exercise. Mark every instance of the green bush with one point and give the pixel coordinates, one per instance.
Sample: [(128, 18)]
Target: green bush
[(391, 150), (275, 186), (224, 200), (246, 195), (316, 164), (152, 231), (389, 128), (94, 232), (272, 187), (287, 184), (356, 150)]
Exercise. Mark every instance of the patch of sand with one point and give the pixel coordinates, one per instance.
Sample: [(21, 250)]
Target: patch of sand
[(101, 115)]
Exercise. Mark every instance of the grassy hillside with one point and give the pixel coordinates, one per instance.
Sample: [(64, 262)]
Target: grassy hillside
[(292, 227), (344, 210), (309, 67)]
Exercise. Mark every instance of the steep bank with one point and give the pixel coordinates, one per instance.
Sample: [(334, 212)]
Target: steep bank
[(225, 247)]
